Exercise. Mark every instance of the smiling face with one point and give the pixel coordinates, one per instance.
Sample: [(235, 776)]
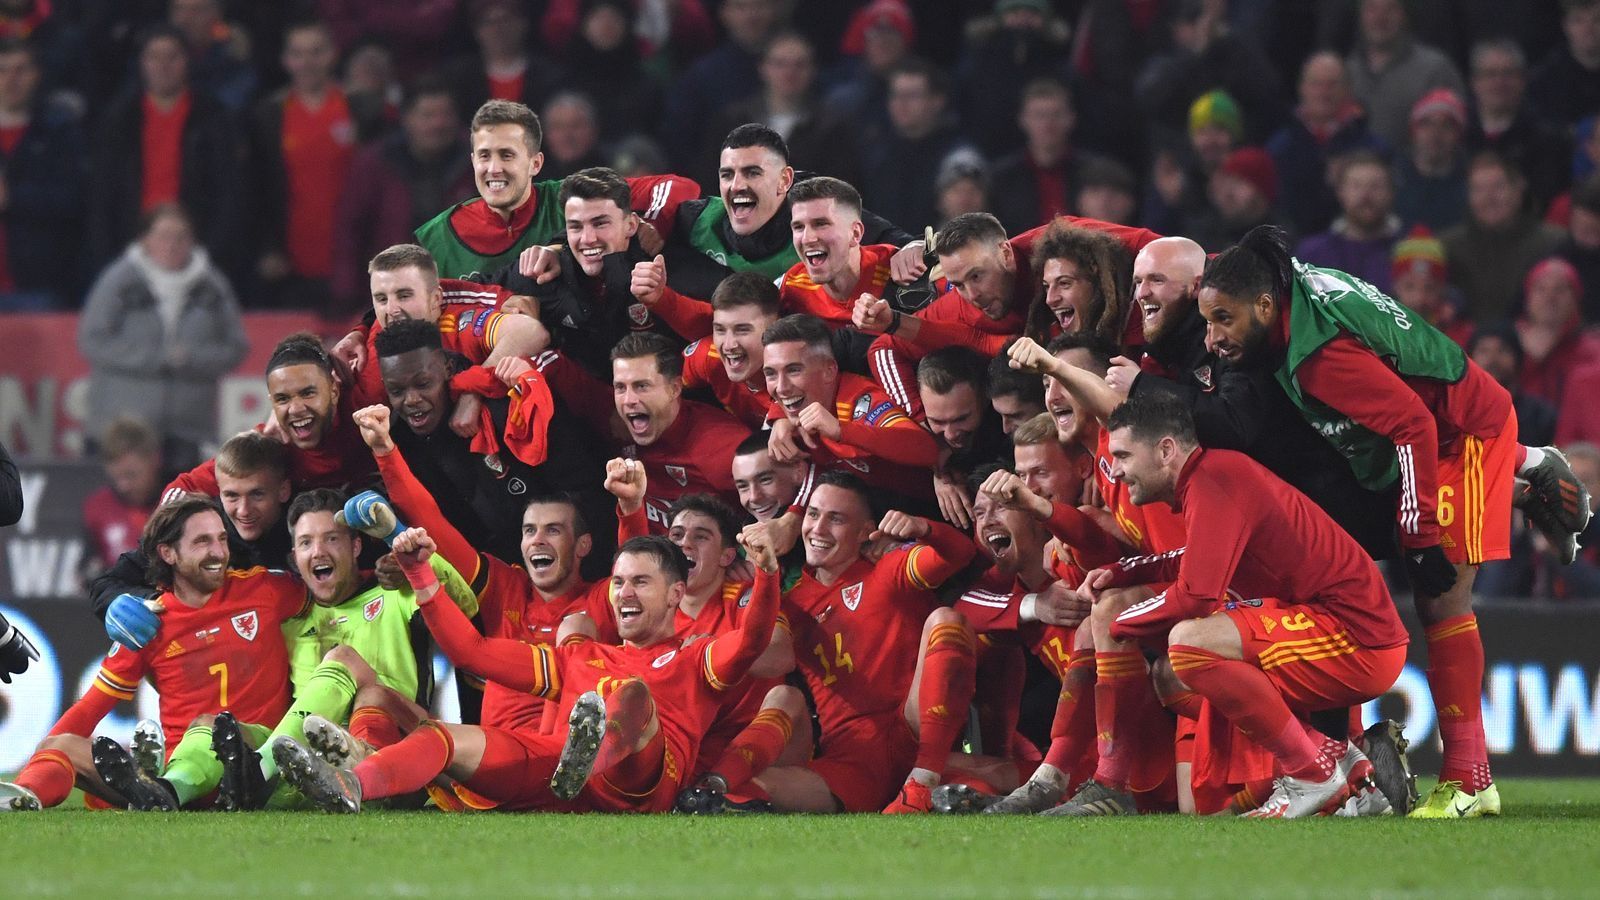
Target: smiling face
[(1014, 409), (836, 526), (826, 236), (954, 418), (700, 539), (753, 182), (405, 293), (1069, 294), (983, 275), (643, 599), (1011, 538), (325, 556), (647, 400), (798, 376), (736, 333), (596, 228), (503, 167), (200, 557), (254, 502), (1143, 466), (417, 383), (1048, 471), (304, 398), (551, 546), (1236, 329), (1071, 428), (766, 489), (1165, 274)]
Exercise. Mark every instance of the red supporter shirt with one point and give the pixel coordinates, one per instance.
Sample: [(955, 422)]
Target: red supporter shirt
[(161, 152), (506, 88), (1254, 536), (797, 293), (317, 145), (747, 400), (856, 640), (227, 654), (114, 526), (10, 137)]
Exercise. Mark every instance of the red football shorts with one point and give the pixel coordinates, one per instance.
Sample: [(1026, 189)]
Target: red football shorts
[(1476, 477), (866, 762), (1310, 657), (515, 772)]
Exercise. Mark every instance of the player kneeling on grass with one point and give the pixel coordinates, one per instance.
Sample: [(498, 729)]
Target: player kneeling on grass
[(635, 713), (355, 635), (1319, 630), (218, 646)]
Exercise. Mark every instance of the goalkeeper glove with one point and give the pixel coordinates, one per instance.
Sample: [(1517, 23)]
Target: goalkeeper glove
[(371, 513), (130, 622)]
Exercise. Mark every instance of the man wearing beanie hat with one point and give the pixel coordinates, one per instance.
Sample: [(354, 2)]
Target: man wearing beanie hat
[(1550, 329), (1243, 193), (1432, 176), (1389, 69), (1215, 128), (1361, 240), (1419, 276)]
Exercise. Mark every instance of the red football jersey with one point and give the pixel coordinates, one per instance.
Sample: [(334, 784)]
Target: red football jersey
[(991, 608), (747, 400), (468, 325), (797, 293), (1153, 528), (226, 655), (717, 617), (879, 442), (693, 455)]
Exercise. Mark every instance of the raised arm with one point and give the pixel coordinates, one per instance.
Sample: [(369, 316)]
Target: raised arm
[(727, 660), (413, 500)]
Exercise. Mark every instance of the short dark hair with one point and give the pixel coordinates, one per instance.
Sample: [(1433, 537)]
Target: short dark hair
[(301, 348), (666, 554), (981, 474), (165, 527), (326, 500), (1100, 349), (807, 329), (250, 452), (1102, 260), (1005, 381), (1493, 158), (404, 256), (429, 85), (755, 442), (1259, 264), (669, 356), (510, 112), (822, 187), (580, 522), (596, 183), (1503, 332), (968, 228), (1049, 88), (407, 335), (155, 32), (938, 81), (755, 134), (1153, 416), (747, 288), (944, 369), (712, 507), (848, 481)]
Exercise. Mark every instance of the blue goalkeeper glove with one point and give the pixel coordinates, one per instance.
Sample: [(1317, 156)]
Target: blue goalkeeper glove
[(130, 623), (370, 512)]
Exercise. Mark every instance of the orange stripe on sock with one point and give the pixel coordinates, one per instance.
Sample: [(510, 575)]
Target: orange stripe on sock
[(1451, 627), (778, 719), (958, 635)]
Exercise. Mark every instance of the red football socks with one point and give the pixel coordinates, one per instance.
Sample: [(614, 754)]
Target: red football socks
[(755, 748), (49, 774), (948, 669), (1455, 677), (1119, 675), (408, 765), (1245, 695), (1183, 703), (1073, 727), (374, 726)]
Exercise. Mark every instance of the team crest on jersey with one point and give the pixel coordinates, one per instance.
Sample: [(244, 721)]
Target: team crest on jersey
[(1105, 468), (851, 596), (246, 625), (373, 607), (1202, 374), (858, 465), (744, 599), (517, 487), (639, 313), (862, 407), (663, 659), (690, 350), (679, 474), (492, 462)]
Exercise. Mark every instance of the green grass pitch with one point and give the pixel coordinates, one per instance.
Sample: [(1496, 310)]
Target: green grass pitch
[(1547, 845)]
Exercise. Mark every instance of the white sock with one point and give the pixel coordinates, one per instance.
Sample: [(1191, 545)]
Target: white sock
[(1535, 457), (925, 777)]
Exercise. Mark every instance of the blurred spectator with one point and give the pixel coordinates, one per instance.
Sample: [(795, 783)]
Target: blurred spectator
[(1495, 349), (58, 46), (818, 141), (1242, 194), (877, 39), (41, 188), (963, 187), (114, 515), (638, 155), (371, 90), (1390, 70), (397, 184), (1107, 191), (715, 81), (1361, 241), (503, 67), (1206, 56), (681, 26), (1431, 184), (571, 135), (1041, 181), (1327, 123), (160, 328), (1579, 419), (1581, 246), (900, 171), (1215, 127), (604, 64), (303, 140), (1566, 86), (1550, 330), (1422, 283), (164, 143), (1503, 123), (1181, 169), (1022, 41), (410, 29), (219, 53), (1491, 252)]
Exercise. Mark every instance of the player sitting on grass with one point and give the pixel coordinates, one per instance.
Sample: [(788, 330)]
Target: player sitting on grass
[(218, 647), (635, 713), (355, 634)]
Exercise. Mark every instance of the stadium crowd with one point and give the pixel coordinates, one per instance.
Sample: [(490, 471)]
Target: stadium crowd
[(854, 407)]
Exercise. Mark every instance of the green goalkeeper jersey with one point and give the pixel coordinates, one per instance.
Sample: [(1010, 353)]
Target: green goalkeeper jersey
[(383, 626)]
